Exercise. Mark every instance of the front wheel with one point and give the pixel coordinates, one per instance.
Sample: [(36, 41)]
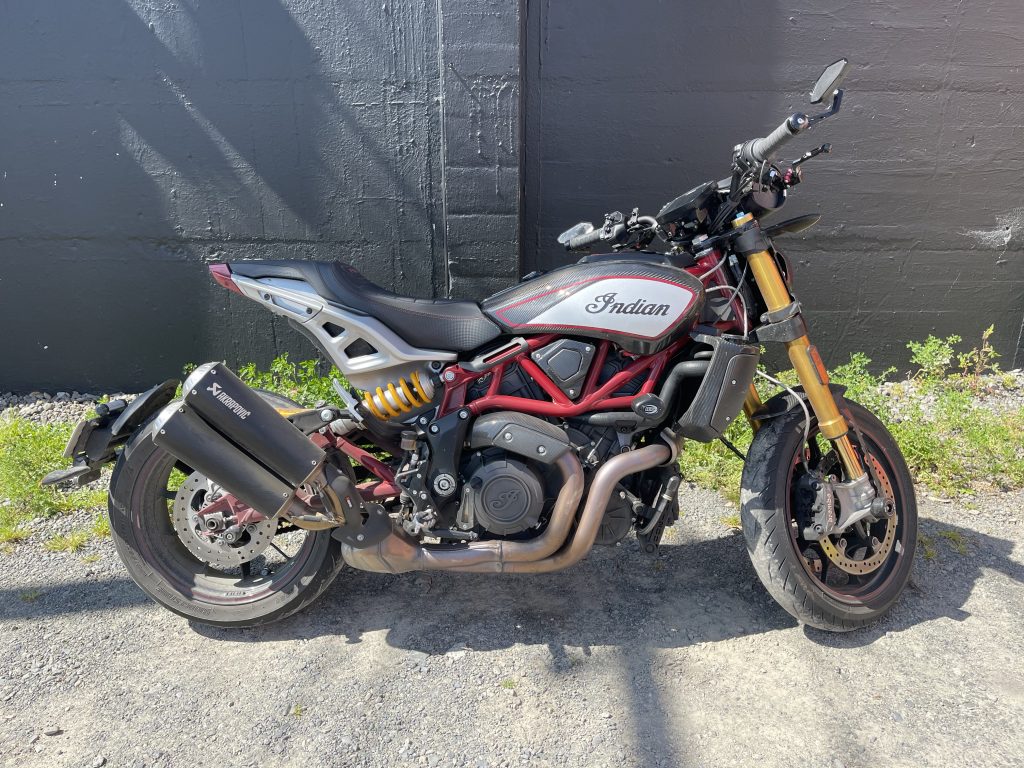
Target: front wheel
[(836, 582)]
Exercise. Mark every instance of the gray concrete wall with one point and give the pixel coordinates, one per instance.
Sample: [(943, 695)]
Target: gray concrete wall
[(923, 221), (140, 140)]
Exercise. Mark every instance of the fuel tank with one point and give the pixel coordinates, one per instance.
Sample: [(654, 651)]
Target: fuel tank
[(640, 305)]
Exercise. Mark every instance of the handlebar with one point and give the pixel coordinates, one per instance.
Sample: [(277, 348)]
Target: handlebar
[(580, 242), (760, 150)]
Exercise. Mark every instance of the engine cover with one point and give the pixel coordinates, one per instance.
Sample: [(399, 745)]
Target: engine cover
[(504, 494)]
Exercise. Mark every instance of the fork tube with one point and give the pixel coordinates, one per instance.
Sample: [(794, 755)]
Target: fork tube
[(751, 405), (809, 369)]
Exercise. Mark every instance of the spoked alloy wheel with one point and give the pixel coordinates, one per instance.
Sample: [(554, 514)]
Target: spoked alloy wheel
[(272, 570), (842, 580)]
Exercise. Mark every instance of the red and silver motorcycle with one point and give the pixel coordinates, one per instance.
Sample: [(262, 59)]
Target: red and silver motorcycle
[(512, 435)]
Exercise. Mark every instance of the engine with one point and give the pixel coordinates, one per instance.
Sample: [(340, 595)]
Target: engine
[(502, 494), (494, 492)]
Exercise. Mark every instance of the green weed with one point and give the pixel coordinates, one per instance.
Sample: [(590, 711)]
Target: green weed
[(956, 540), (508, 683), (979, 361), (27, 452), (933, 357), (926, 546), (303, 382), (73, 542), (30, 596)]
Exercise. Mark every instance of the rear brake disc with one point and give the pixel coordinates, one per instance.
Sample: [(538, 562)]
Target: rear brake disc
[(194, 494)]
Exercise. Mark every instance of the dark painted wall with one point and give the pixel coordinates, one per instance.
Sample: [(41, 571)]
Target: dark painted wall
[(141, 139), (923, 222)]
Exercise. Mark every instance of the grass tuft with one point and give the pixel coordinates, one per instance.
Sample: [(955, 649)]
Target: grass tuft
[(950, 440), (100, 526), (956, 540), (926, 546), (731, 522), (73, 542), (9, 534), (30, 595)]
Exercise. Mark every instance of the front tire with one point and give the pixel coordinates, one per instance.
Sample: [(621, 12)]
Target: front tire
[(815, 581), (141, 492)]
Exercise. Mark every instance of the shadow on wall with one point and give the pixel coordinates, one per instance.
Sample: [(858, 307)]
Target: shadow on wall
[(144, 138)]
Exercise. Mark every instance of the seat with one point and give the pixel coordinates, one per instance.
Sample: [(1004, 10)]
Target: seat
[(452, 326)]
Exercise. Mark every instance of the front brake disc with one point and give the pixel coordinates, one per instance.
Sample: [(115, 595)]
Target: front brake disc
[(194, 494), (839, 555)]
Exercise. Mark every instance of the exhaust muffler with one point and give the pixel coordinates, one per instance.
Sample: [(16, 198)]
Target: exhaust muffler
[(234, 410), (181, 432), (228, 432)]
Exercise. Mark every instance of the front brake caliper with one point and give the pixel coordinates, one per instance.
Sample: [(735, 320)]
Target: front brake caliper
[(817, 490)]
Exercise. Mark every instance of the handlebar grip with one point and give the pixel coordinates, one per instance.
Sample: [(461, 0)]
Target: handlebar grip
[(759, 150), (584, 241)]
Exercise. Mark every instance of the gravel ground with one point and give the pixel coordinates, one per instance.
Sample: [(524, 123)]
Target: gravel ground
[(621, 661), (50, 409)]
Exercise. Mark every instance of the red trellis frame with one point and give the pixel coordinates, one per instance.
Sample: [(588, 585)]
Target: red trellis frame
[(594, 396)]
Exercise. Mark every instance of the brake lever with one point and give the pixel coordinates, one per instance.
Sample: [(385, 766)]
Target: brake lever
[(824, 149)]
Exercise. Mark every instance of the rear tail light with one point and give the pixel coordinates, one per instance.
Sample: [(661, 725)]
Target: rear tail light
[(222, 274)]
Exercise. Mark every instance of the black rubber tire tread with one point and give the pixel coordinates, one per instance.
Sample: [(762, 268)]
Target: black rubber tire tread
[(764, 511), (309, 583)]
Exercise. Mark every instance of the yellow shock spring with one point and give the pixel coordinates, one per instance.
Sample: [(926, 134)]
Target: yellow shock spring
[(392, 401)]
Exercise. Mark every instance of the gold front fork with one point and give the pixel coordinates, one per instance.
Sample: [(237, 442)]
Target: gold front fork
[(808, 365), (751, 405)]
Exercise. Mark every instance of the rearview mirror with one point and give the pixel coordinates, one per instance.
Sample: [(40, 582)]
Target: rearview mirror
[(829, 80), (583, 228)]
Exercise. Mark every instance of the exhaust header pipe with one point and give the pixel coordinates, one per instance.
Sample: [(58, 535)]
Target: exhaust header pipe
[(547, 552)]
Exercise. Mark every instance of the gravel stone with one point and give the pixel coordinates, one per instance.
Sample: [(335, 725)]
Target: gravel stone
[(683, 656)]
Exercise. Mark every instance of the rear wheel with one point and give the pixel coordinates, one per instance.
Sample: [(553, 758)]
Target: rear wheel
[(840, 581), (272, 571)]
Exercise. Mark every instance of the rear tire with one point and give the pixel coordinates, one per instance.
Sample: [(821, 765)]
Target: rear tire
[(162, 566), (785, 562)]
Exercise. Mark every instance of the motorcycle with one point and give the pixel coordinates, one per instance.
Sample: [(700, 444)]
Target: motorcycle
[(513, 435)]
